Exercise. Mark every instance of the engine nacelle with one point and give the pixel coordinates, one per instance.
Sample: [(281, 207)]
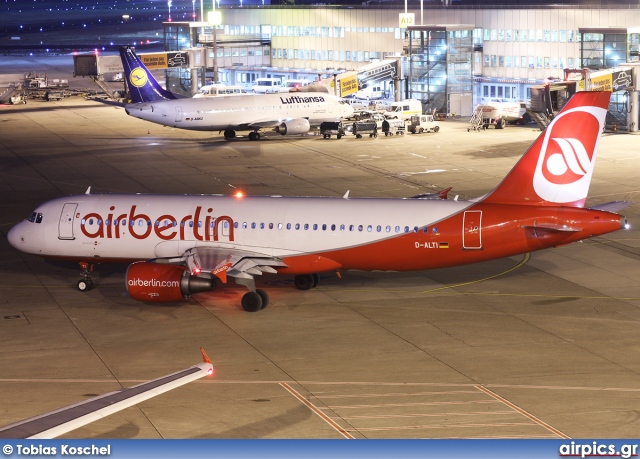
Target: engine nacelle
[(291, 127), (163, 283)]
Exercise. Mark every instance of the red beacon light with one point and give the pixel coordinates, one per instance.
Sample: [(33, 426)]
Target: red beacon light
[(239, 194)]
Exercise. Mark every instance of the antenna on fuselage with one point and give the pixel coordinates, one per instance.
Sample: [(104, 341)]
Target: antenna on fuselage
[(346, 195), (88, 191)]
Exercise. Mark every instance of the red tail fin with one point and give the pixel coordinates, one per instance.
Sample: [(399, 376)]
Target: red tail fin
[(557, 168)]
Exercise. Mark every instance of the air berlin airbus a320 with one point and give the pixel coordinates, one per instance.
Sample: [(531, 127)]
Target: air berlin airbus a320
[(181, 245)]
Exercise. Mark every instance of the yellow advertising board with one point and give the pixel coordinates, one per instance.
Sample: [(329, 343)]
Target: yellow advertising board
[(602, 83), (155, 60), (348, 84)]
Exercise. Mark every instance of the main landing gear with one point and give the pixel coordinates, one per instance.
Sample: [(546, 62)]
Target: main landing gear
[(85, 284), (256, 299), (306, 281), (255, 135)]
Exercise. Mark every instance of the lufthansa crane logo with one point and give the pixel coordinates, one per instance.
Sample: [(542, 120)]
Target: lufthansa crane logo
[(138, 77)]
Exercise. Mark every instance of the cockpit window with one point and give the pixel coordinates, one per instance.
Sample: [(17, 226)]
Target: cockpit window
[(35, 217)]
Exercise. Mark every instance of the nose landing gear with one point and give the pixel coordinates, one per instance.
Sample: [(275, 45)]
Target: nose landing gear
[(85, 284)]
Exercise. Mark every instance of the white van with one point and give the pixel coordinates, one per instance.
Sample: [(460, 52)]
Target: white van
[(215, 90), (266, 85), (404, 109), (370, 93), (293, 85)]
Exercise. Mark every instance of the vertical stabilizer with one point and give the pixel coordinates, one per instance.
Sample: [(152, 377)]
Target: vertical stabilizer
[(557, 168), (143, 87)]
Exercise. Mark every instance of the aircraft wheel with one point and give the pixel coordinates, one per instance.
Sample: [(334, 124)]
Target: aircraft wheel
[(316, 279), (339, 136), (252, 302), (421, 131), (229, 134), (358, 136), (436, 128), (84, 285), (264, 296), (303, 282)]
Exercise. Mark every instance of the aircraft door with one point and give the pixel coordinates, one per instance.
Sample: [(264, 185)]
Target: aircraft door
[(472, 230), (65, 225), (178, 114)]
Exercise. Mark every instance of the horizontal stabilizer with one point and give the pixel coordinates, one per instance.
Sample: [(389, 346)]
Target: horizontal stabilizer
[(613, 206), (110, 102)]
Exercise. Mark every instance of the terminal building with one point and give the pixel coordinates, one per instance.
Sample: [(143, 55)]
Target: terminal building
[(450, 59)]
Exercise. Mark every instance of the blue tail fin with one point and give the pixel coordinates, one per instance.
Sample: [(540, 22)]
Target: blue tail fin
[(143, 87)]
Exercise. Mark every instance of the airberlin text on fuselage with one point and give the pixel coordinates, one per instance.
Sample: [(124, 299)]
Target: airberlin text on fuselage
[(165, 227)]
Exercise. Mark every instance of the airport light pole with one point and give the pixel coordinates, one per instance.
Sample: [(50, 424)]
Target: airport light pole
[(215, 18)]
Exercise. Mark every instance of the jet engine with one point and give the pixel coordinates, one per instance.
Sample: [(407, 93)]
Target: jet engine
[(297, 126), (163, 283)]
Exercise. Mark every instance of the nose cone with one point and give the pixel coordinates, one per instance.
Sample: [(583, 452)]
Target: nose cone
[(14, 237)]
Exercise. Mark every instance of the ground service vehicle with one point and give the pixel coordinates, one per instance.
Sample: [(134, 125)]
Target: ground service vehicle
[(421, 123)]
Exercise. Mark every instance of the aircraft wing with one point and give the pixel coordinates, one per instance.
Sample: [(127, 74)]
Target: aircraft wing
[(58, 422), (223, 262)]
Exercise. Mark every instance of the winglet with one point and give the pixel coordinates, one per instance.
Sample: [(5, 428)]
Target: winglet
[(443, 194), (88, 191), (346, 195), (205, 357)]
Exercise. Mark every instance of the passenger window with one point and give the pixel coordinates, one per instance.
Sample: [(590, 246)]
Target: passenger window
[(91, 221), (235, 224), (280, 225), (324, 227), (369, 228), (342, 227), (297, 226), (397, 229), (244, 225), (379, 228), (261, 225), (190, 224), (288, 226), (388, 228), (199, 224), (253, 225), (425, 229), (406, 229), (270, 225), (434, 230), (315, 226), (351, 227), (415, 229), (115, 223), (306, 226), (360, 227), (124, 222), (333, 227)]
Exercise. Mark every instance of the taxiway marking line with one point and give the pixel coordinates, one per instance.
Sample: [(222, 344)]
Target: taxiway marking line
[(540, 422), (317, 411)]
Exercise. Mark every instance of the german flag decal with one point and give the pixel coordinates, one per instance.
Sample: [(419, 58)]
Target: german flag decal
[(443, 245)]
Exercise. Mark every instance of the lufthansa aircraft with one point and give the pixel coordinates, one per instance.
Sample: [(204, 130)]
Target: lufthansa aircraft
[(287, 113), (182, 244)]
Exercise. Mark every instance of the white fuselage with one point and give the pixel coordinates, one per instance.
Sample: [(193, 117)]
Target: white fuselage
[(241, 111), (143, 227)]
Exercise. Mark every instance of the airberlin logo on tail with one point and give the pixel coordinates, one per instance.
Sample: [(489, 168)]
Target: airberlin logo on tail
[(567, 155)]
